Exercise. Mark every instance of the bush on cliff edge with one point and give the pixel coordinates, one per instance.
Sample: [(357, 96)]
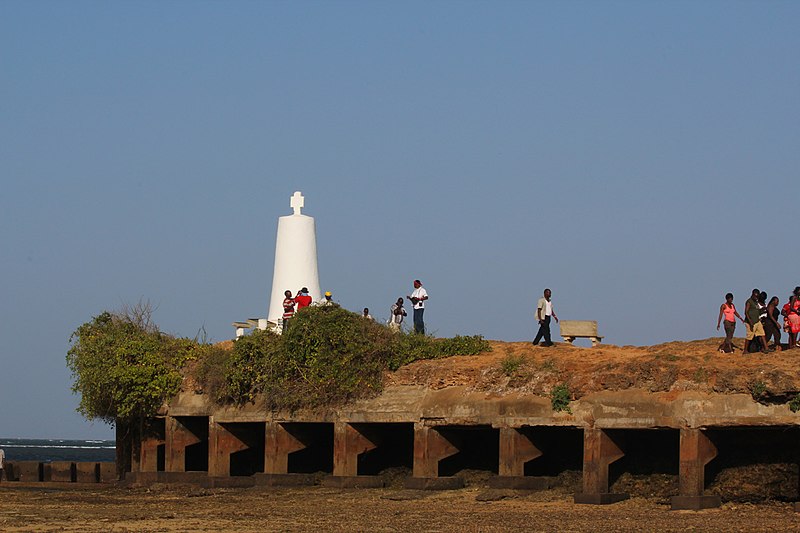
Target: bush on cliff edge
[(327, 356), (124, 369)]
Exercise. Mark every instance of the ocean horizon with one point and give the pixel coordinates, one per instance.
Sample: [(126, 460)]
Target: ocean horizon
[(49, 450)]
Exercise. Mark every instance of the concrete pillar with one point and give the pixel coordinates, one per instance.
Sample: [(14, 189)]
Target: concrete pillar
[(516, 449), (279, 444), (696, 451), (430, 447), (87, 472), (63, 471), (148, 455), (599, 451), (177, 438), (348, 444), (221, 444)]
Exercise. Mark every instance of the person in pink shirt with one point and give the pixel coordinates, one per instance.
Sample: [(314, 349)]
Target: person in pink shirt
[(728, 310)]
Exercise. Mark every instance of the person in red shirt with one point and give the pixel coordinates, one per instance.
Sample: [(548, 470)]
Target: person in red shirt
[(303, 299)]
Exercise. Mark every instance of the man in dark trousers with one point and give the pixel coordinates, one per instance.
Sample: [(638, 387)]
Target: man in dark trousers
[(418, 298), (544, 310)]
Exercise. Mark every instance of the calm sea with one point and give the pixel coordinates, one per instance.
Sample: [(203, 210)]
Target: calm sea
[(47, 450)]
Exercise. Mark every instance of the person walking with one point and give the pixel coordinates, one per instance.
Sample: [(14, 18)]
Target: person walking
[(728, 310), (752, 322), (544, 310), (396, 314), (418, 298), (772, 328)]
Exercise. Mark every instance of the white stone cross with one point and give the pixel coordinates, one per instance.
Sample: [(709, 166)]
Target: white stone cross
[(297, 201)]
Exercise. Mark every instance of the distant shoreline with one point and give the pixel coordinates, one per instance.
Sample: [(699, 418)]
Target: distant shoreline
[(48, 450)]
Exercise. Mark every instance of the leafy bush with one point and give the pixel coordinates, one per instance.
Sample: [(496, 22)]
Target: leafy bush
[(327, 356), (125, 369), (794, 405), (560, 398), (757, 389)]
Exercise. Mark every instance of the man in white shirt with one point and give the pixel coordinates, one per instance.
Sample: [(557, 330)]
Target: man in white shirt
[(544, 310), (396, 315), (418, 298), (2, 463)]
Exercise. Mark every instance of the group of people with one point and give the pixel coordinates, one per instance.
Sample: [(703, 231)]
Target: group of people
[(397, 312), (763, 320), (293, 304)]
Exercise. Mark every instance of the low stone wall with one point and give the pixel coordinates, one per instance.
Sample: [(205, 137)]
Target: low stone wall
[(60, 471)]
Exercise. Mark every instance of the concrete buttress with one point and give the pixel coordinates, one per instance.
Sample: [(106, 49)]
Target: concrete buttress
[(280, 443), (430, 447), (516, 449), (348, 444)]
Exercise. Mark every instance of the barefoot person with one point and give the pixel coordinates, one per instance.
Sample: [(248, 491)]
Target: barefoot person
[(752, 322), (544, 310), (728, 310)]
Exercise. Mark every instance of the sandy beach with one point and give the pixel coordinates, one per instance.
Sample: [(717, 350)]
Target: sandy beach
[(36, 507)]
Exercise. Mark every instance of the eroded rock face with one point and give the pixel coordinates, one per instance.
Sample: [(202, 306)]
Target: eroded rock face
[(677, 384)]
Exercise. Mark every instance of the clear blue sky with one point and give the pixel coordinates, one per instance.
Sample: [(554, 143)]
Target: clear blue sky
[(639, 158)]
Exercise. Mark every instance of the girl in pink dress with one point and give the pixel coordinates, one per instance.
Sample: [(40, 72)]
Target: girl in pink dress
[(791, 323), (728, 310)]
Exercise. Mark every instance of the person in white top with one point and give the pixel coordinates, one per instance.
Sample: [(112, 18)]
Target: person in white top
[(396, 315), (544, 310), (2, 463), (418, 298)]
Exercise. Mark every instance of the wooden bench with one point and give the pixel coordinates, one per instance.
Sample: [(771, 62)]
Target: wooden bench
[(572, 329)]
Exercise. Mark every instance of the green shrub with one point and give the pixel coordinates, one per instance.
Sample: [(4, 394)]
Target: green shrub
[(409, 347), (332, 356), (207, 370), (794, 405), (327, 356), (560, 398), (511, 364), (757, 389), (123, 369)]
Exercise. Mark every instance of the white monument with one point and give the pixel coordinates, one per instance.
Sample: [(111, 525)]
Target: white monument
[(295, 259)]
